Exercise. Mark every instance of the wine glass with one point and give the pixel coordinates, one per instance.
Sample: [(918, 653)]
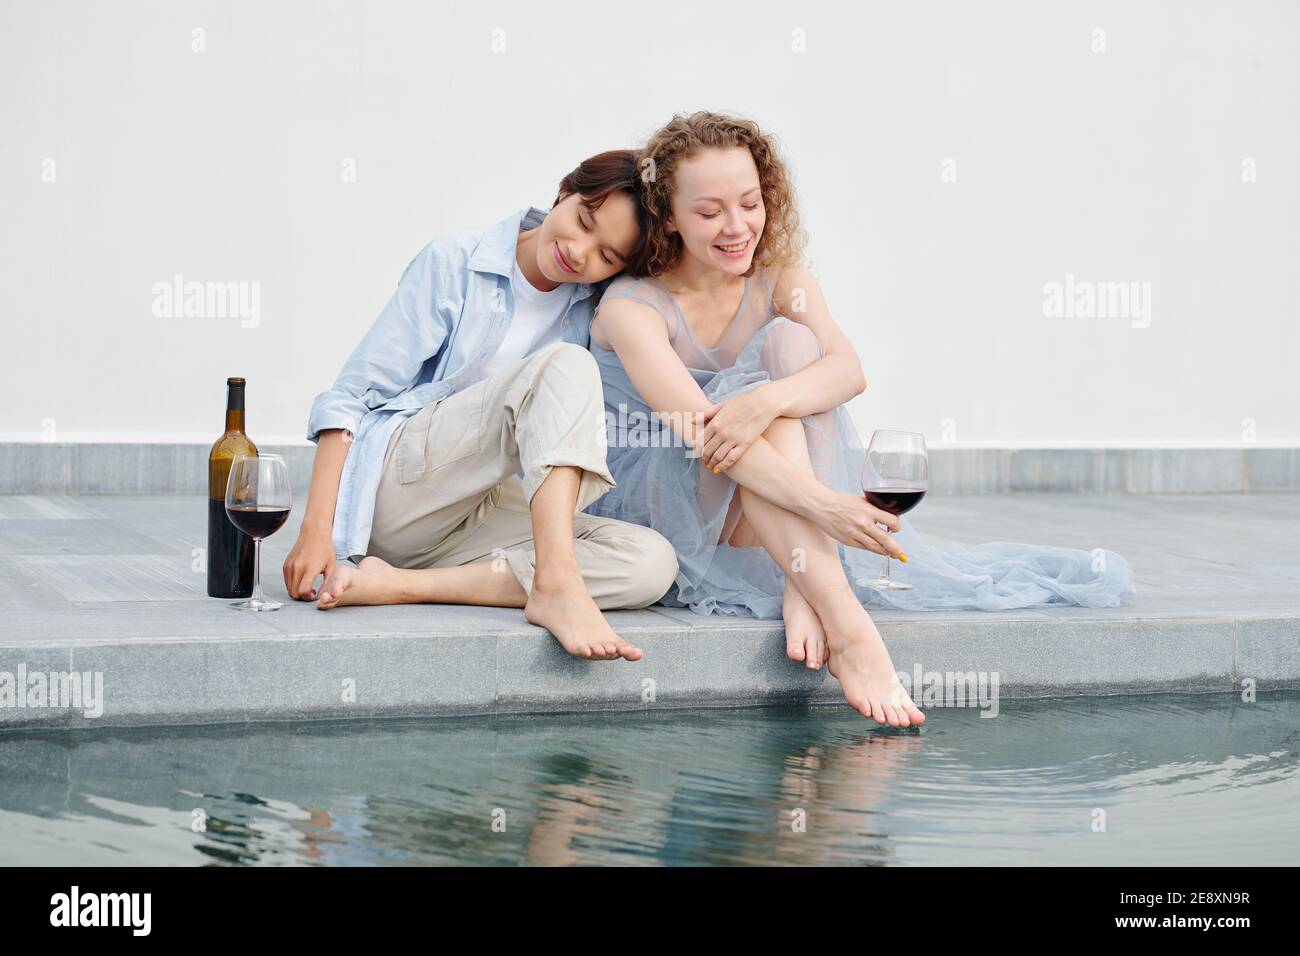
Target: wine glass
[(894, 479), (258, 501)]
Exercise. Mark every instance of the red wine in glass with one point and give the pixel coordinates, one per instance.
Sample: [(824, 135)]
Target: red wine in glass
[(897, 501), (895, 477), (258, 501), (258, 521)]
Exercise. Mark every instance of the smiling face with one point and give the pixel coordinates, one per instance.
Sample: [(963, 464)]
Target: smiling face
[(718, 208), (579, 244)]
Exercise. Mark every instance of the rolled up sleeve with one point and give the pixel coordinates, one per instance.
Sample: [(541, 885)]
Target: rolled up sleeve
[(412, 328)]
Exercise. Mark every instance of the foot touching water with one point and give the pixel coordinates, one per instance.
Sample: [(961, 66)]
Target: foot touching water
[(859, 661)]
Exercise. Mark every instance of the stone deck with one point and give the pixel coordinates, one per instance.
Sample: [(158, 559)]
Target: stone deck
[(103, 583)]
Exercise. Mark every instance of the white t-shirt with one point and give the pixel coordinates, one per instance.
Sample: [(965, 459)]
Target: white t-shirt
[(536, 321)]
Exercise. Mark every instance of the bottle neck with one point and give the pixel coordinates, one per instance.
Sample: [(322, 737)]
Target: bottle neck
[(235, 407)]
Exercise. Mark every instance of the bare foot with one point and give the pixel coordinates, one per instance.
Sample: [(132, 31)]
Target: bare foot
[(861, 664), (805, 639), (560, 603), (374, 581)]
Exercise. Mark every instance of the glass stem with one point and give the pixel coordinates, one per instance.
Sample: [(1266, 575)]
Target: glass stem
[(258, 597), (884, 575)]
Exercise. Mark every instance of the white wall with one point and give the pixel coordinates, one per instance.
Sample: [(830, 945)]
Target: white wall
[(225, 165)]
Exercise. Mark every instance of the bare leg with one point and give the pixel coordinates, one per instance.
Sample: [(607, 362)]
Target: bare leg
[(857, 655), (805, 638), (378, 582), (559, 601)]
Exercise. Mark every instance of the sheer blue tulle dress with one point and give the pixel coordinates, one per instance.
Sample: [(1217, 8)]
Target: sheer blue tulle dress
[(663, 486)]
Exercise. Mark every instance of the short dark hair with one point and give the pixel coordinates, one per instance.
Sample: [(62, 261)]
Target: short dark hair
[(596, 177)]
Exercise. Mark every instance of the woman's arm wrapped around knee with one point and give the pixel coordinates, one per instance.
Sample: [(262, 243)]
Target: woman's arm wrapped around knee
[(814, 365), (640, 338)]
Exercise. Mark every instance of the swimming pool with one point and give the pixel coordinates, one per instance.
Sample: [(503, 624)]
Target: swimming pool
[(1195, 780)]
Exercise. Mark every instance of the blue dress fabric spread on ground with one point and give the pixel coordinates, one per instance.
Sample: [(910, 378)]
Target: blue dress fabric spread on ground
[(662, 486)]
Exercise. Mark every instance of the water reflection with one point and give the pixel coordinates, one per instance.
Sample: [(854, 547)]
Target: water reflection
[(1200, 779)]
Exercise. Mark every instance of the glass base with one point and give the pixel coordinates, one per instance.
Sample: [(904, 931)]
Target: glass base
[(883, 583), (252, 604)]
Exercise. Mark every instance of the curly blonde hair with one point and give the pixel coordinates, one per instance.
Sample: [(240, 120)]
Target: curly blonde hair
[(783, 239)]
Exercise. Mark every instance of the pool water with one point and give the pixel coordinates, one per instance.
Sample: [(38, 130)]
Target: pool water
[(1195, 780)]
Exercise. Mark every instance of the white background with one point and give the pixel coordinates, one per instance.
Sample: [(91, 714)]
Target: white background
[(1124, 165)]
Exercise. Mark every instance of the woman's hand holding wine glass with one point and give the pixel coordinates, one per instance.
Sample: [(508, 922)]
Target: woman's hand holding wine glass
[(852, 521)]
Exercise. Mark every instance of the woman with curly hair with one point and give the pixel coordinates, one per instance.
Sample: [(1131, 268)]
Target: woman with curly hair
[(721, 335)]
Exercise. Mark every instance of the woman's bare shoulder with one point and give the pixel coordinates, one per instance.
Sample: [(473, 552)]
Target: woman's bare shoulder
[(786, 283), (645, 290), (630, 302)]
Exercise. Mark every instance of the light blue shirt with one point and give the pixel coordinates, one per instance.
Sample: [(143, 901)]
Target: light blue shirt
[(434, 338)]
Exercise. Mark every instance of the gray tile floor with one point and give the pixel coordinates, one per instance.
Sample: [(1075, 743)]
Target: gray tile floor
[(1218, 577), (1193, 554)]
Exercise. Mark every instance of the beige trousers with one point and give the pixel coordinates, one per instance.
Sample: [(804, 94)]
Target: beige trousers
[(449, 493)]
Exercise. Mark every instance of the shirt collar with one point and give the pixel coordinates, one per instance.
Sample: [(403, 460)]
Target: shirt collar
[(495, 252)]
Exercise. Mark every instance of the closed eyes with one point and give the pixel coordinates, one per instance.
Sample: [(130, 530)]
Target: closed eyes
[(582, 222), (714, 215)]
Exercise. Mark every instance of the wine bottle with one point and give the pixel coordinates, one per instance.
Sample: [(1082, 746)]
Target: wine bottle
[(230, 551)]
